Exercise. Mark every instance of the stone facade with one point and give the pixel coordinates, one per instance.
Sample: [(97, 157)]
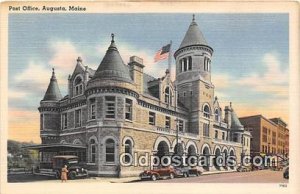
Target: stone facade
[(120, 109)]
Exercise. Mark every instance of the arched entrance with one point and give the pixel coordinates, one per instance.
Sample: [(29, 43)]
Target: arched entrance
[(225, 153), (162, 150), (191, 152), (231, 153), (206, 153), (178, 151), (217, 162)]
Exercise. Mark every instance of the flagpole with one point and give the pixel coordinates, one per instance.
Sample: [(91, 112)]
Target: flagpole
[(170, 60)]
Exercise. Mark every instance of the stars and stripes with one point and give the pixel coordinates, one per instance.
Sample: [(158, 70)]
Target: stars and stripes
[(163, 53)]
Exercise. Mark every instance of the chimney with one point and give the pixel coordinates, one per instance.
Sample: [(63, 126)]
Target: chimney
[(136, 72), (228, 115)]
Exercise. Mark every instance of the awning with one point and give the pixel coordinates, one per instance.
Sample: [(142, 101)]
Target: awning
[(55, 147)]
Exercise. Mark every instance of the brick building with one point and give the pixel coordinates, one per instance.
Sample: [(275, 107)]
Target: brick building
[(268, 135), (118, 108)]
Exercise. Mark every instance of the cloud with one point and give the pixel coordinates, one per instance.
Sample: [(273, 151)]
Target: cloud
[(273, 80), (221, 80)]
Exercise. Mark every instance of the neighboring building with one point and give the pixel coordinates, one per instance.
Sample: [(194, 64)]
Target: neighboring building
[(120, 109), (282, 136), (268, 135)]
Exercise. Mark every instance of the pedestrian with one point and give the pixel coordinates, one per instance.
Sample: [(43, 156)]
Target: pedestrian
[(64, 174)]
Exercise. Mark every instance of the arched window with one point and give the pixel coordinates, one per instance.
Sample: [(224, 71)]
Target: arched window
[(92, 151), (128, 150), (167, 95), (78, 86), (190, 62), (110, 150), (206, 111), (217, 116)]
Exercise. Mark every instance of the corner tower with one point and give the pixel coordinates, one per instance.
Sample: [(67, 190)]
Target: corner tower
[(193, 79)]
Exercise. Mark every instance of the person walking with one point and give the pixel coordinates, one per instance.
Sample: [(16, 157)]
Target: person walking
[(64, 174)]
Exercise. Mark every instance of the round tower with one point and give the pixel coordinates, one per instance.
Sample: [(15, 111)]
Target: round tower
[(193, 57), (49, 112)]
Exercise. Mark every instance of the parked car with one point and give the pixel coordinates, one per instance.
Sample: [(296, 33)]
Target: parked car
[(244, 169), (286, 173), (74, 168), (181, 171), (158, 173), (194, 171)]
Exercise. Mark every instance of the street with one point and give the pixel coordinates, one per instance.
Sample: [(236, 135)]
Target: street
[(262, 176)]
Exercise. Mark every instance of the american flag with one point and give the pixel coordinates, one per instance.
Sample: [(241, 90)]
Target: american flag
[(162, 53)]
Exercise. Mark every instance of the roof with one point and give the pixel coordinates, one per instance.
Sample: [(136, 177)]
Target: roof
[(58, 146), (193, 36), (235, 122), (53, 92), (112, 66)]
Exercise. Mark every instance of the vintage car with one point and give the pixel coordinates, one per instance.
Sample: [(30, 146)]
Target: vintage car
[(75, 169), (181, 171), (286, 173), (158, 173), (244, 169), (194, 171)]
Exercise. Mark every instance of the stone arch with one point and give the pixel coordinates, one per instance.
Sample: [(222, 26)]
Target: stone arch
[(77, 142), (191, 143), (158, 140), (206, 151), (217, 147), (217, 153), (179, 142), (128, 138), (232, 153), (63, 141), (93, 137)]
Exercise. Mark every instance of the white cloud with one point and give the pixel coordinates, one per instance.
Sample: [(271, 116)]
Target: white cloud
[(64, 57), (273, 81)]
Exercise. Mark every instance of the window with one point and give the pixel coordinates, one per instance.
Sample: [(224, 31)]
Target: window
[(217, 115), (42, 122), (128, 150), (110, 150), (151, 118), (206, 111), (128, 109), (274, 138), (180, 125), (184, 94), (167, 95), (64, 121), (93, 151), (92, 109), (110, 102), (223, 135), (190, 63), (206, 64), (78, 86), (78, 118), (206, 129), (264, 134), (168, 122), (186, 64), (216, 134)]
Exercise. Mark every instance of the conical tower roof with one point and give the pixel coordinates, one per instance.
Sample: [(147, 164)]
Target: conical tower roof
[(235, 122), (193, 36), (53, 92), (112, 65)]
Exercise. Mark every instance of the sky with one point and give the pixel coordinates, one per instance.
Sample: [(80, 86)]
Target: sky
[(250, 63)]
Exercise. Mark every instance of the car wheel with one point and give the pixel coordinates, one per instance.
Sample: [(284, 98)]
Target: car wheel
[(72, 175), (57, 175), (153, 177), (185, 175), (172, 175)]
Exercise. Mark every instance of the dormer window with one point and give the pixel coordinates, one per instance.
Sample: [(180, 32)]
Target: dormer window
[(168, 96), (217, 115), (78, 86)]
